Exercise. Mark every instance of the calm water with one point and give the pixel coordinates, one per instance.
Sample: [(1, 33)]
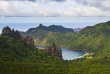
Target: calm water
[(69, 54), (40, 47)]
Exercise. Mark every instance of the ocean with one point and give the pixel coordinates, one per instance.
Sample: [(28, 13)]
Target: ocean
[(24, 23)]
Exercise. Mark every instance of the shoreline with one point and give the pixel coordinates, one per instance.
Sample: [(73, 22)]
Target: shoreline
[(64, 47), (82, 56), (86, 53), (74, 50)]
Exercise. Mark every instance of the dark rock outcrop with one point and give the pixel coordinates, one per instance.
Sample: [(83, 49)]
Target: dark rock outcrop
[(53, 50), (6, 31), (29, 40), (48, 51)]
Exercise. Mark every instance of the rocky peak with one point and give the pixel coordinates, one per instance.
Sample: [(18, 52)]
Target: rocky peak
[(108, 22), (16, 34), (40, 25), (29, 40), (54, 50), (6, 31)]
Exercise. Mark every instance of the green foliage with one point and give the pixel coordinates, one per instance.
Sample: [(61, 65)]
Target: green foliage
[(92, 38), (16, 57)]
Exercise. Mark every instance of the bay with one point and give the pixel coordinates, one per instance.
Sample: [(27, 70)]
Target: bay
[(69, 54)]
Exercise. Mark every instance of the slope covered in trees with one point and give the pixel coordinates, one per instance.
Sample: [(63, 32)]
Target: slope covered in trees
[(52, 28), (17, 57), (45, 36), (91, 38)]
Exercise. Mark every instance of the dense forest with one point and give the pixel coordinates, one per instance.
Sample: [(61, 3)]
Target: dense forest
[(18, 57), (91, 38)]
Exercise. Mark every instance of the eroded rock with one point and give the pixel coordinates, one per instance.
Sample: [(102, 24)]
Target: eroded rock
[(6, 31), (53, 50), (29, 40)]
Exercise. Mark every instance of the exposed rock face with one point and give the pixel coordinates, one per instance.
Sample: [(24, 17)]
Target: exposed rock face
[(53, 51), (48, 51), (6, 31), (29, 40)]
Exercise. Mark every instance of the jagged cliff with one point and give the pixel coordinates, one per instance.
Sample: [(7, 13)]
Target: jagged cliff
[(54, 50), (6, 31), (29, 40)]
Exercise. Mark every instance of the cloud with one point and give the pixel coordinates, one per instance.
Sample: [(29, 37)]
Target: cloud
[(12, 9), (55, 8), (36, 0), (86, 11), (102, 4), (18, 0), (59, 0)]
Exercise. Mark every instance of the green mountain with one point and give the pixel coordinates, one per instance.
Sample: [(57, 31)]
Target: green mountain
[(17, 57), (91, 38), (45, 36), (52, 28)]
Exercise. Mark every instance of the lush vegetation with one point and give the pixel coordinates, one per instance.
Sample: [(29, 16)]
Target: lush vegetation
[(91, 38), (44, 35), (16, 57)]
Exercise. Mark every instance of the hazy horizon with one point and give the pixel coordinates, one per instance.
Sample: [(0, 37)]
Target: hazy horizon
[(24, 23)]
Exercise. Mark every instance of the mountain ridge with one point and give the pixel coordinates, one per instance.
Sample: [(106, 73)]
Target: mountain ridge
[(52, 28), (88, 39), (17, 57)]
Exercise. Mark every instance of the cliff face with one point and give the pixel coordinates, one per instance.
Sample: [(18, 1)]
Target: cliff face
[(53, 51), (6, 31), (29, 40)]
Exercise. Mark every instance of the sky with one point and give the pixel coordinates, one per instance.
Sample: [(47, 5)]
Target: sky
[(54, 8), (68, 13)]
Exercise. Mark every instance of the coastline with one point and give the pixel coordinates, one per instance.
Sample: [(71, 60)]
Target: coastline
[(86, 53), (82, 56)]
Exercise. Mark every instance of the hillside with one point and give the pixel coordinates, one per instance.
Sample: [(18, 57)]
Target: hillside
[(52, 28), (91, 38), (17, 57), (45, 36)]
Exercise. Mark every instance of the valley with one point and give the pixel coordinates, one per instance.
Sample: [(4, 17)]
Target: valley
[(18, 55)]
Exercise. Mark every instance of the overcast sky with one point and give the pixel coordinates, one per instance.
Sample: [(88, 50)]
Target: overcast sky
[(58, 8)]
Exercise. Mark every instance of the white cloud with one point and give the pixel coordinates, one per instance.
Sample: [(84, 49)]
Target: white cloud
[(85, 11), (101, 4), (66, 8)]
